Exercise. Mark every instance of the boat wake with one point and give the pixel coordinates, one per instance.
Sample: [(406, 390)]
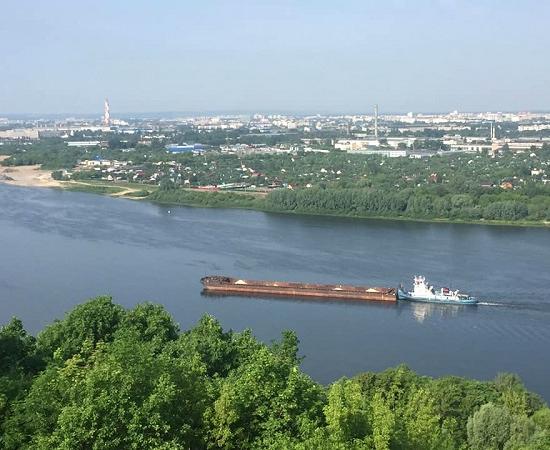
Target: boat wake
[(540, 307)]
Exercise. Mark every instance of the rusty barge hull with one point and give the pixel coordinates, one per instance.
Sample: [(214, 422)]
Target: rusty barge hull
[(228, 285)]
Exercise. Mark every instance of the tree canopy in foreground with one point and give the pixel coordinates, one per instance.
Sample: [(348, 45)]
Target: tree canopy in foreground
[(105, 377)]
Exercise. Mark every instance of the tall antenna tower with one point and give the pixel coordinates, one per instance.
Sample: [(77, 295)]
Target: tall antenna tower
[(376, 121), (106, 113)]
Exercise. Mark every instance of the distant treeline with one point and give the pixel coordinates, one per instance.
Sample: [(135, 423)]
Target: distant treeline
[(206, 199), (365, 202), (501, 206), (509, 188), (105, 377)]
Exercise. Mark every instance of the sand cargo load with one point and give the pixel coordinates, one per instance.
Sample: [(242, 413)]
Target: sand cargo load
[(227, 285)]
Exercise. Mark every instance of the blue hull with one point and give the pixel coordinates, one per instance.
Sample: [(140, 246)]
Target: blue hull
[(402, 295)]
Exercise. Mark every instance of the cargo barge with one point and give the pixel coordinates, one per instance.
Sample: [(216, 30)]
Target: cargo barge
[(228, 285)]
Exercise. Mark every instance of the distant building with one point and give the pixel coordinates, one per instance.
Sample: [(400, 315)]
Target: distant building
[(471, 148), (534, 127), (383, 151), (419, 154), (395, 141), (96, 163), (487, 184), (83, 143), (49, 133), (185, 148), (434, 178), (315, 150), (506, 185), (524, 145), (355, 144), (495, 146), (19, 133)]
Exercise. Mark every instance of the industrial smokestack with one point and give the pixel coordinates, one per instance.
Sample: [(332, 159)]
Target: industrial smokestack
[(106, 113), (376, 121)]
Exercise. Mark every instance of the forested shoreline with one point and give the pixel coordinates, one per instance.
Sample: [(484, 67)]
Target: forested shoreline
[(408, 204), (508, 188), (105, 377), (497, 208), (444, 188)]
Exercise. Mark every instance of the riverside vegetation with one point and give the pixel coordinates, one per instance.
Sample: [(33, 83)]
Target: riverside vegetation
[(511, 188), (105, 377), (448, 187)]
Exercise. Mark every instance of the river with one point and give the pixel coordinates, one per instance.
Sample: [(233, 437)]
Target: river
[(59, 248)]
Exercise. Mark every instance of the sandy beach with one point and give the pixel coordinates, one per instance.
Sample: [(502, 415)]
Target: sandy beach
[(27, 176)]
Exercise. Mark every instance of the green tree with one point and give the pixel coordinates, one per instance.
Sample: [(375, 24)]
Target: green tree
[(514, 395), (35, 417), (88, 324), (134, 398), (457, 398), (347, 411), (265, 397), (115, 378), (150, 323), (422, 423), (123, 395), (17, 349), (489, 428), (383, 423), (541, 418), (19, 363), (218, 350)]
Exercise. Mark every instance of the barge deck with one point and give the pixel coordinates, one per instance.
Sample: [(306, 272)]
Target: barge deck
[(229, 285)]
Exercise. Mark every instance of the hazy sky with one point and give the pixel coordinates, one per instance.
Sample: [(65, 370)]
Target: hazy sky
[(62, 56)]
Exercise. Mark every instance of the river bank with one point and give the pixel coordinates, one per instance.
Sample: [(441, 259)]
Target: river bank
[(30, 176), (255, 202), (33, 176), (523, 224)]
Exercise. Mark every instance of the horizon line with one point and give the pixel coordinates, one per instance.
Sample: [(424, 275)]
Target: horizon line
[(262, 112)]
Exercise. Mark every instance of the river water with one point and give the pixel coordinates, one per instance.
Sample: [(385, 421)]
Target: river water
[(60, 248)]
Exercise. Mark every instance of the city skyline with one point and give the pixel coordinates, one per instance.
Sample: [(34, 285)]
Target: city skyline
[(175, 114), (315, 57)]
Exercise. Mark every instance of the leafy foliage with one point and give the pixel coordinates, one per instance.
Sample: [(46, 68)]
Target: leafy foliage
[(82, 329), (461, 187), (105, 377)]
